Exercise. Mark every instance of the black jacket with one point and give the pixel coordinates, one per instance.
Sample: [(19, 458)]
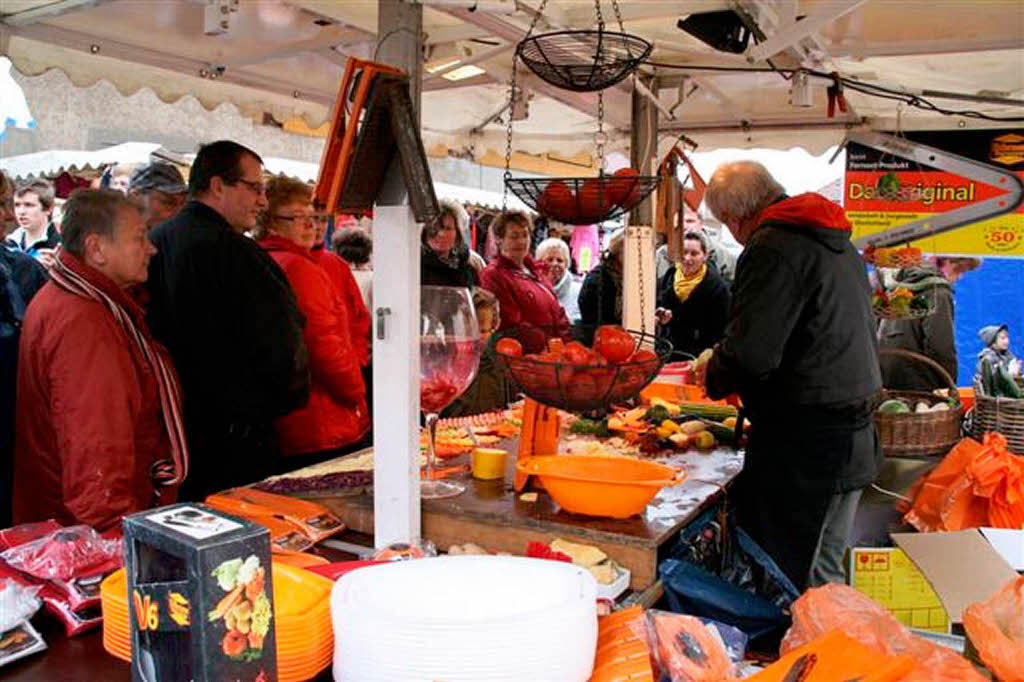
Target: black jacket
[(931, 336), (226, 312), (436, 272), (699, 321), (20, 278), (800, 348), (600, 299)]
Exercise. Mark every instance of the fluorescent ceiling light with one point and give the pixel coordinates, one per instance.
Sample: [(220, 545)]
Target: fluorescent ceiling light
[(439, 64), (462, 72)]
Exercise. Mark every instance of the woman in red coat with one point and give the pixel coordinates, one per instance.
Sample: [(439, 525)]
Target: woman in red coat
[(515, 278), (336, 415)]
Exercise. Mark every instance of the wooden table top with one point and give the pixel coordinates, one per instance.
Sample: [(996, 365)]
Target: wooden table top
[(495, 503)]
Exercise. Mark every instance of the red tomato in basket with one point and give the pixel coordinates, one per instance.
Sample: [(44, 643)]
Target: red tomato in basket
[(509, 347), (594, 198), (575, 353), (614, 343), (646, 360), (556, 199), (621, 186), (582, 387)]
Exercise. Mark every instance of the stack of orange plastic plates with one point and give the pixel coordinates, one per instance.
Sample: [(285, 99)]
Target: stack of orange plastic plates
[(302, 621), (622, 651)]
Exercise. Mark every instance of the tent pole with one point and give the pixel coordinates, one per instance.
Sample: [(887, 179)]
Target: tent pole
[(643, 143), (396, 294)]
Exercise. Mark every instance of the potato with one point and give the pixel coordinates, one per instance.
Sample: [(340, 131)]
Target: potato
[(691, 427)]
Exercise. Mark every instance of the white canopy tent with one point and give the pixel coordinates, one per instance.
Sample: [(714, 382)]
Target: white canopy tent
[(284, 59)]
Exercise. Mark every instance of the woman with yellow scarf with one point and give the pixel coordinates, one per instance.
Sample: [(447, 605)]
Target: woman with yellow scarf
[(693, 299)]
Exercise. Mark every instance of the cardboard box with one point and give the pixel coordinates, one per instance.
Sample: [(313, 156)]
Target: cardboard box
[(930, 578), (961, 566), (888, 576)]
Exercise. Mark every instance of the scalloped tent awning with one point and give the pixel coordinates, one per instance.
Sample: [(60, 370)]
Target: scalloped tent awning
[(284, 59)]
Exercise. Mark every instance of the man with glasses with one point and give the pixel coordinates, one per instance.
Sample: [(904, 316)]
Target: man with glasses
[(226, 312)]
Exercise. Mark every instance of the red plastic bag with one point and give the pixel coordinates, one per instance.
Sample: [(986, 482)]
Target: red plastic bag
[(75, 621), (686, 650), (976, 484), (996, 628), (831, 607), (64, 554), (26, 532)]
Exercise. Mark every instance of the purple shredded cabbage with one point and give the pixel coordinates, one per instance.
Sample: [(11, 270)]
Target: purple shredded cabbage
[(336, 481)]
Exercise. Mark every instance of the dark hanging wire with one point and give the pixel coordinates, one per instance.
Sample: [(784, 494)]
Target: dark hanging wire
[(859, 86)]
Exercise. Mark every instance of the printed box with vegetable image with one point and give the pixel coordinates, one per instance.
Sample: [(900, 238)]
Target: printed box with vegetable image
[(200, 594)]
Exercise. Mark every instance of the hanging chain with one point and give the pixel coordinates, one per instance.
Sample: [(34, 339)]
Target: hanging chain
[(508, 139), (536, 18), (600, 138), (600, 17), (618, 15), (643, 282)]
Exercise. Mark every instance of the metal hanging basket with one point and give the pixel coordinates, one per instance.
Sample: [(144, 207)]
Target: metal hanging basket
[(583, 61), (583, 201), (590, 387)]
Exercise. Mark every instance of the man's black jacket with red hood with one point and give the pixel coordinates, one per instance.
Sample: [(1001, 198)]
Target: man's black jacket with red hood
[(800, 345)]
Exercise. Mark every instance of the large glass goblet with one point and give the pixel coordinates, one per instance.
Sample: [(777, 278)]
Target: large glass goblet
[(449, 357)]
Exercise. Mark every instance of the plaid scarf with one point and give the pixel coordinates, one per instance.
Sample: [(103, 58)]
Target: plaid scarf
[(165, 472)]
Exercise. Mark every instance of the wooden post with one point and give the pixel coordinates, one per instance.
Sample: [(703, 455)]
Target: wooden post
[(643, 147), (396, 294), (638, 279)]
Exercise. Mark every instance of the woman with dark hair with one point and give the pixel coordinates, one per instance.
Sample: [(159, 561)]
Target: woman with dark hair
[(336, 416), (515, 278), (445, 257), (693, 299)]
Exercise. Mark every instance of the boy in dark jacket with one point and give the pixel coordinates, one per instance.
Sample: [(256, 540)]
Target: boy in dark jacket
[(490, 389), (996, 338)]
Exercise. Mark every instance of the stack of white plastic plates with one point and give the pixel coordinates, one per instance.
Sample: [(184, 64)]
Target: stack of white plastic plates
[(476, 618)]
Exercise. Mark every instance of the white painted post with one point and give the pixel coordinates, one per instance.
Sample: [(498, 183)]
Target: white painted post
[(638, 278), (396, 301), (396, 373)]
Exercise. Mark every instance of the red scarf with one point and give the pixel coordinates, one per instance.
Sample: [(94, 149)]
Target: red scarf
[(69, 275)]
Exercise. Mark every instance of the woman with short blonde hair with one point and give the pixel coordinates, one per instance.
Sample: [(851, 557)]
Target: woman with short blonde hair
[(336, 416)]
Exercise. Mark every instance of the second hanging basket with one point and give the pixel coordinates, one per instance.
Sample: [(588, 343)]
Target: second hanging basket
[(583, 201)]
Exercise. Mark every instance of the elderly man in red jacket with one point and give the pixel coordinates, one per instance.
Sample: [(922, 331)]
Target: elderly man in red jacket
[(98, 422)]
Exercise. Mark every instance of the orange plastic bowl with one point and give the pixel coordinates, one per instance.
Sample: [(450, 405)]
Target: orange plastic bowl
[(618, 487)]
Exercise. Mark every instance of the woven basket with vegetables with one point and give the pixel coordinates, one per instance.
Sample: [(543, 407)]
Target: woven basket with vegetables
[(999, 406), (918, 423)]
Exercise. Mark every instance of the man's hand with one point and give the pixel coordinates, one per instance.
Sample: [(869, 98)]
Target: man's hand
[(700, 366), (46, 257), (663, 316)]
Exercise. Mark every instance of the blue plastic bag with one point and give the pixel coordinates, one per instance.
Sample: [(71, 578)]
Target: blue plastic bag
[(739, 585)]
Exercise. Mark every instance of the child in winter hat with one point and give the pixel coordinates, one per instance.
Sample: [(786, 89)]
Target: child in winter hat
[(997, 349)]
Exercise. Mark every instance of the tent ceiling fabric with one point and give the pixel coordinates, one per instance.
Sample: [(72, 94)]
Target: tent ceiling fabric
[(277, 58)]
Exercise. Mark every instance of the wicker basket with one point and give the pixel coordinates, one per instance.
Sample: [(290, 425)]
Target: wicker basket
[(919, 435), (1004, 415)]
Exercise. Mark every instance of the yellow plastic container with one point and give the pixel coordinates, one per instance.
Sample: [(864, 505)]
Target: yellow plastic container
[(489, 463)]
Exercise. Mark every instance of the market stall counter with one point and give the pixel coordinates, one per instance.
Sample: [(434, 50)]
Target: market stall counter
[(492, 515)]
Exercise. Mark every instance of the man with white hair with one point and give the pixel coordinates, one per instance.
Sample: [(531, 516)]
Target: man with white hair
[(800, 349)]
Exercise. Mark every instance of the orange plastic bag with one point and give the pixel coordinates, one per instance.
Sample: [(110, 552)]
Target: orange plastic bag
[(836, 656), (822, 609), (996, 628), (686, 650), (976, 484)]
